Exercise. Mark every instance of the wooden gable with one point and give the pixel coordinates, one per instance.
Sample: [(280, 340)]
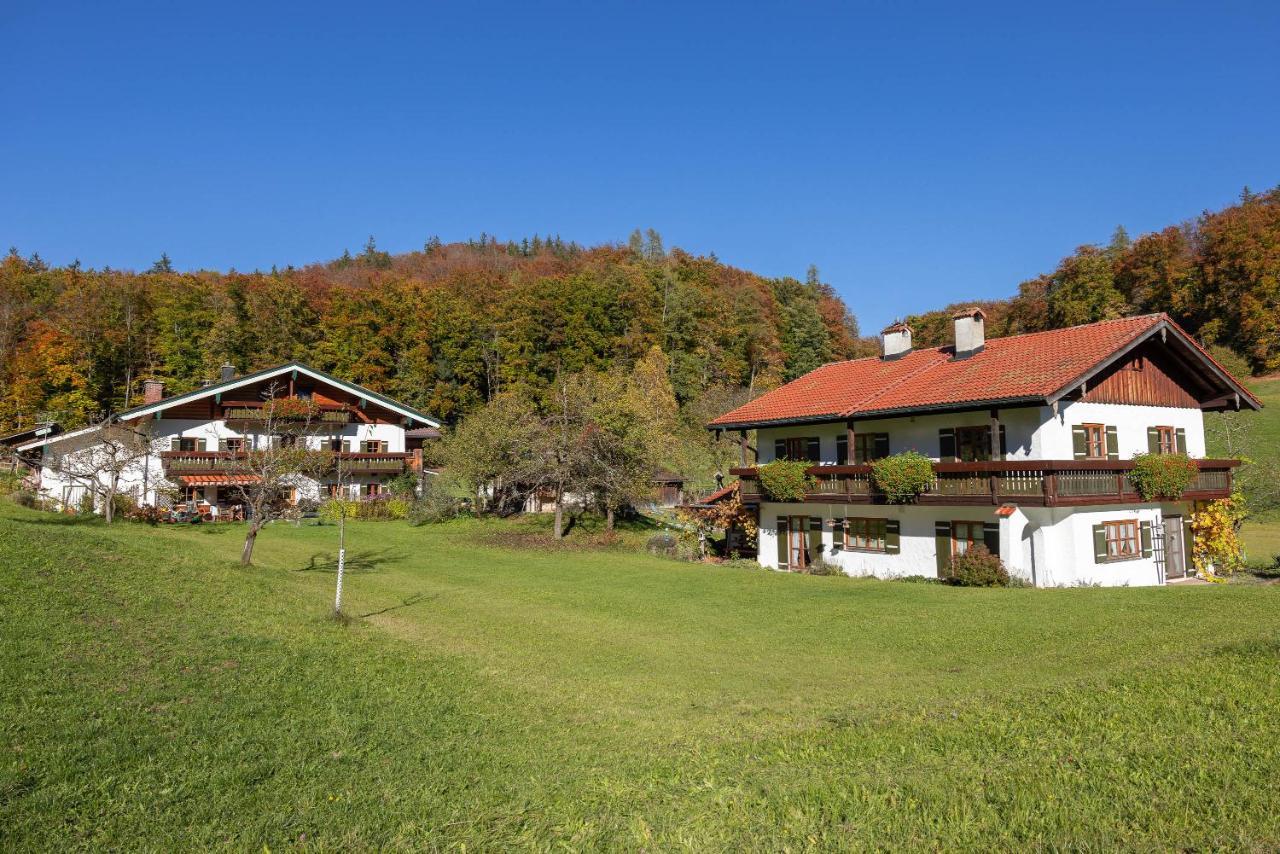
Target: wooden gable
[(1150, 375)]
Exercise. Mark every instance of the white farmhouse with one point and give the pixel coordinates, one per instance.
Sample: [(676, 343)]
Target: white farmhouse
[(194, 444), (1032, 438)]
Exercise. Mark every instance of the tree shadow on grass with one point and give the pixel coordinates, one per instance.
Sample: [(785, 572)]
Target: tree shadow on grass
[(362, 561), (66, 519), (415, 599)]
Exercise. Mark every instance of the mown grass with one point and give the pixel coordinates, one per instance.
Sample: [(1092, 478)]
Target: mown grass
[(158, 696)]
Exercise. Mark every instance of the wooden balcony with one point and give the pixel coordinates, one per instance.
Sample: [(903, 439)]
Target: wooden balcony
[(218, 462), (254, 415), (1032, 483)]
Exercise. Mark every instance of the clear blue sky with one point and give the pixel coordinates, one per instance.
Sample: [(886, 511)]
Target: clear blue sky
[(917, 154)]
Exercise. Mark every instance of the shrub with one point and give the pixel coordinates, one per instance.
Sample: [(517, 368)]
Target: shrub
[(822, 566), (404, 485), (434, 505), (146, 514), (917, 579), (664, 544), (122, 505), (24, 499), (1216, 551), (10, 482), (978, 567), (1158, 476), (785, 480), (902, 477), (335, 508), (86, 504)]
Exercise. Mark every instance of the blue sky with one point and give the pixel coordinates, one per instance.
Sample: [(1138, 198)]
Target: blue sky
[(918, 154)]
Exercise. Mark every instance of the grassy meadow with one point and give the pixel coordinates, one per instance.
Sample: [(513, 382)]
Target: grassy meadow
[(493, 692)]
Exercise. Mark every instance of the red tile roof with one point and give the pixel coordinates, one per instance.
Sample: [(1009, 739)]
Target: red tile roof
[(1019, 368)]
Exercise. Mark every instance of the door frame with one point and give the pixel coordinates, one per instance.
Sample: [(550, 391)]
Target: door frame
[(1173, 528)]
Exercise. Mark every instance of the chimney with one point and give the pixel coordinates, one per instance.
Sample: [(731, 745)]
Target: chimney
[(228, 372), (971, 335), (895, 341), (152, 391)]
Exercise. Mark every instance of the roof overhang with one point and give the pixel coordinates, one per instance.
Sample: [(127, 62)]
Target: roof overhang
[(1166, 329), (61, 437), (258, 376)]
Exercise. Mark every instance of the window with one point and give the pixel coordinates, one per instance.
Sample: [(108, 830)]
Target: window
[(1121, 539), (371, 490), (183, 443), (865, 534), (966, 535), (1166, 441), (334, 490), (973, 444), (233, 446), (798, 448), (373, 446), (870, 446), (1095, 441)]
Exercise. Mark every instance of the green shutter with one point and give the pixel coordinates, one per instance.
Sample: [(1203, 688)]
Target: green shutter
[(1113, 444), (947, 445), (175, 443), (1145, 528), (222, 444), (784, 531), (1188, 543), (991, 537), (942, 543), (815, 538), (837, 535), (1078, 446), (1004, 443), (1153, 440), (882, 446), (892, 537), (779, 448), (1180, 440), (1099, 544)]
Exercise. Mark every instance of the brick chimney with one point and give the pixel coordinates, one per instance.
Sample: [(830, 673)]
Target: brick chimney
[(895, 341), (152, 391), (971, 334), (228, 372)]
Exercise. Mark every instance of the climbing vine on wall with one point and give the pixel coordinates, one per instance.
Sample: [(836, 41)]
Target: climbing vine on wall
[(1216, 551)]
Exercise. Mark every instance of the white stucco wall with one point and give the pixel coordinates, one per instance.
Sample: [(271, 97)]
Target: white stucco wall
[(1052, 546), (1031, 432)]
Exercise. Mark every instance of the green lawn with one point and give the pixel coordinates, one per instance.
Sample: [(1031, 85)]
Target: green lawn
[(158, 696)]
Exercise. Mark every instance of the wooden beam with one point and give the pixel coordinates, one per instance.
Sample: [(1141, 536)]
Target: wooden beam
[(742, 447), (850, 435)]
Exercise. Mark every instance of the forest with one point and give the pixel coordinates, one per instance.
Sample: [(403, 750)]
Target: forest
[(454, 326)]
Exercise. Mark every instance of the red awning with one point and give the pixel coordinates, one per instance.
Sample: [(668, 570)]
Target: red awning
[(219, 479)]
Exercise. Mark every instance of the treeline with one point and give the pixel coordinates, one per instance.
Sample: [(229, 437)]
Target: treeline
[(1218, 276), (445, 329)]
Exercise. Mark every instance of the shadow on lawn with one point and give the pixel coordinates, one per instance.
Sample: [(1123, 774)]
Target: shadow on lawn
[(415, 599), (68, 519), (365, 561)]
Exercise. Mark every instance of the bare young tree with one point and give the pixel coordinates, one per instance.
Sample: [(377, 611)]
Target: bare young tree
[(115, 451), (280, 462)]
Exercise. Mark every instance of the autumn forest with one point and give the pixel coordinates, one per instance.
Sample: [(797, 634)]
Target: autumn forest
[(451, 326)]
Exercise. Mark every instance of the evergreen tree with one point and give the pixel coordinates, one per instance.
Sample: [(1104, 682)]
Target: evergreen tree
[(164, 265)]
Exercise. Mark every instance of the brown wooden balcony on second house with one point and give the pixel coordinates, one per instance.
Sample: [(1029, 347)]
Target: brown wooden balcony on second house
[(213, 462), (1040, 483)]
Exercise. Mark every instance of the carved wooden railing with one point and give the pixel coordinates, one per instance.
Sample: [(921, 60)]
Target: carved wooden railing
[(1045, 483), (216, 462)]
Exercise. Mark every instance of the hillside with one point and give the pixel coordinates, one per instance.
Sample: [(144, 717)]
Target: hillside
[(160, 697)]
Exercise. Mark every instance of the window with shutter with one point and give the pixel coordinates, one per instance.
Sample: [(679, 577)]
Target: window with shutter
[(972, 444), (1180, 440), (1162, 440), (866, 535), (1113, 444), (1120, 541), (870, 446), (991, 537), (1094, 443), (892, 536), (815, 540)]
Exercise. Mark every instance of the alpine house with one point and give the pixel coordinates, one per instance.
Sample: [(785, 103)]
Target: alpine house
[(1031, 437)]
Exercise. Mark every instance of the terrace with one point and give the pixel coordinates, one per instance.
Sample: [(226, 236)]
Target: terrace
[(1038, 483)]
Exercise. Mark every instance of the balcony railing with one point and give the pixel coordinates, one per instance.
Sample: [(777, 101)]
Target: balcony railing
[(218, 462), (258, 414), (1045, 483)]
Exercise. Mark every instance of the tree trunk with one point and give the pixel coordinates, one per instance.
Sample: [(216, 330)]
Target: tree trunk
[(608, 518), (246, 556), (109, 506), (559, 525)]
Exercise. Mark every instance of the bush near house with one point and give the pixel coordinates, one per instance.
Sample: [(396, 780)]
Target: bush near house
[(978, 567), (785, 480)]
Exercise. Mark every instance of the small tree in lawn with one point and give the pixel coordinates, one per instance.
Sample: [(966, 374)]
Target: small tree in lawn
[(492, 451), (116, 450), (279, 462), (563, 455)]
